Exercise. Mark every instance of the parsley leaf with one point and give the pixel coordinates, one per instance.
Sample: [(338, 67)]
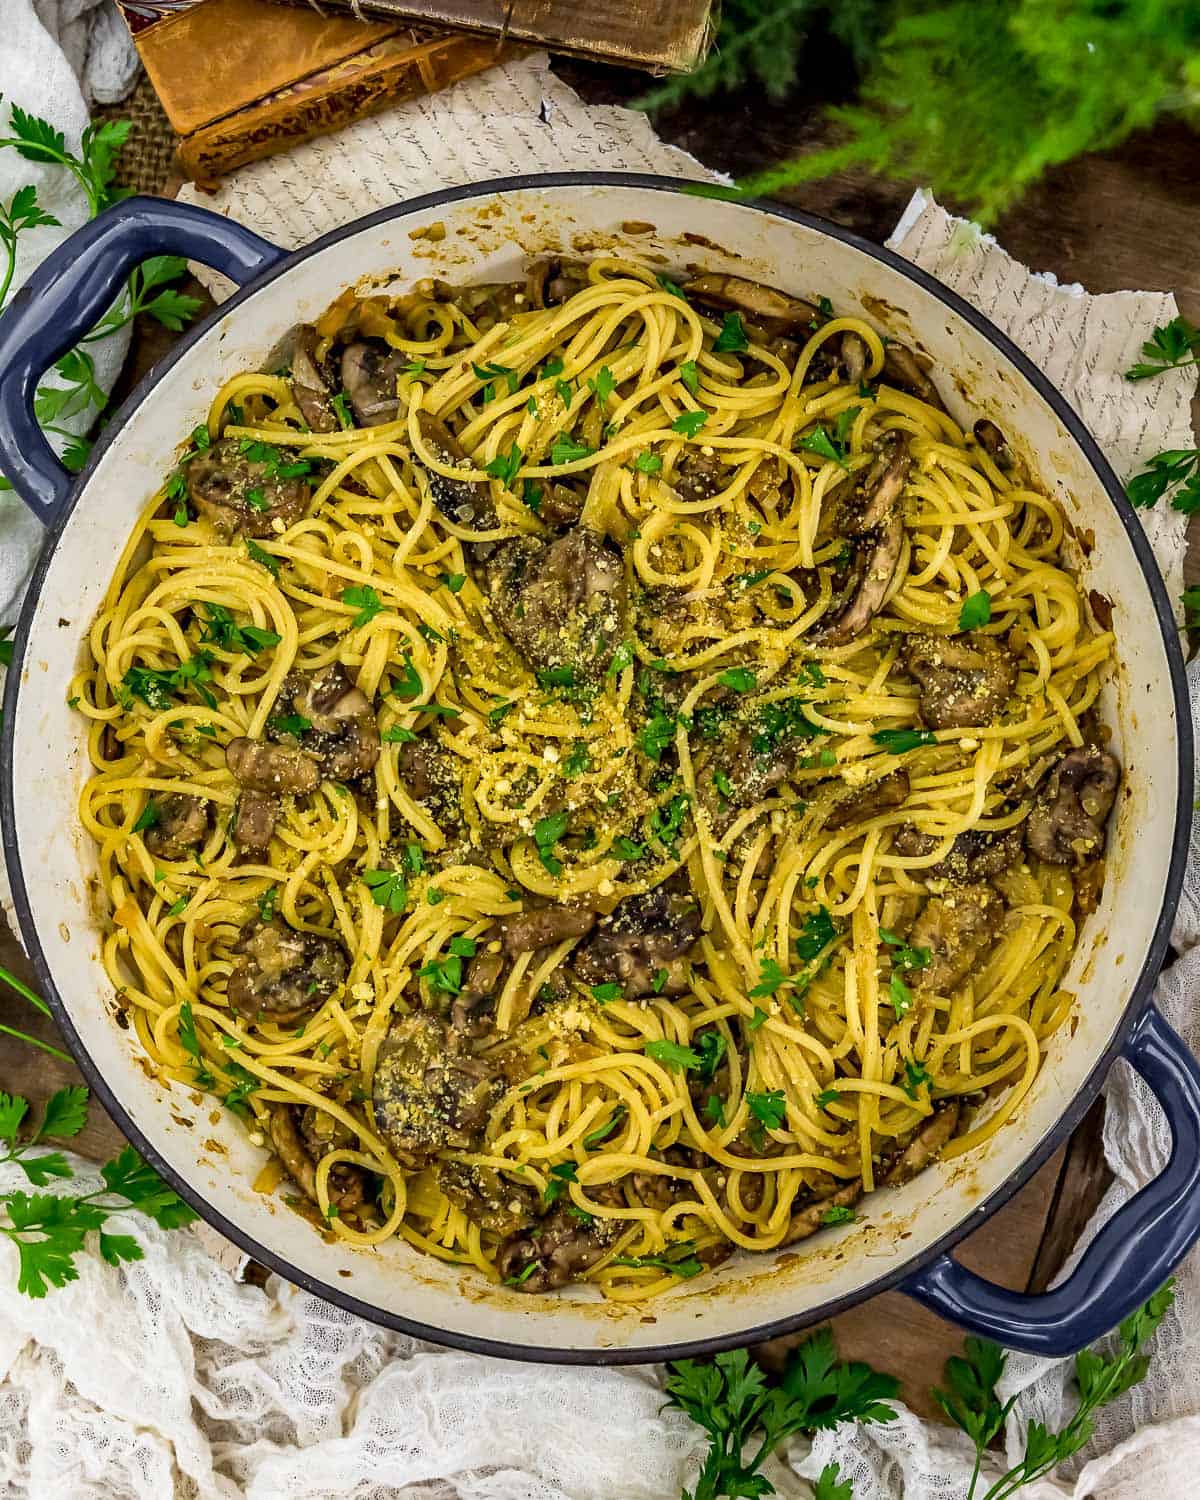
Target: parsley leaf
[(602, 1132), (388, 889), (900, 995), (690, 376), (738, 679), (366, 601), (976, 611), (732, 337), (689, 423), (565, 450), (899, 741), (676, 1259), (769, 1108), (546, 834), (819, 441), (505, 466), (1169, 347), (647, 463), (673, 1055)]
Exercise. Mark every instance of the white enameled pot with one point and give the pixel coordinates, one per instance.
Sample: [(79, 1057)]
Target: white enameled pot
[(486, 233)]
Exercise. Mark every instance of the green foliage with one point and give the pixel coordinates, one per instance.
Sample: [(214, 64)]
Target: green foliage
[(978, 98), (745, 1417)]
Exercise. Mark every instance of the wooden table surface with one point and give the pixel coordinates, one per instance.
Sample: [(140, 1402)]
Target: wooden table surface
[(1122, 219)]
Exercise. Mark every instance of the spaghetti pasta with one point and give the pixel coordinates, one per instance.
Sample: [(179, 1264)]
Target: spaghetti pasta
[(598, 773)]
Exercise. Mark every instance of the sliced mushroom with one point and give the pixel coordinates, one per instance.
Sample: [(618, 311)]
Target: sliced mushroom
[(428, 1094), (870, 579), (549, 283), (660, 1189), (562, 603), (1067, 824), (928, 1142), (244, 496), (543, 927), (466, 502), (868, 802), (957, 928), (642, 944), (486, 1197), (345, 733), (976, 854), (282, 974), (271, 768), (433, 780), (902, 369), (995, 444), (300, 1153), (698, 476), (182, 825), (469, 1013), (309, 386), (881, 485), (965, 680), (561, 506), (255, 821), (370, 372), (854, 355), (773, 311), (558, 1249), (876, 530), (808, 1220)]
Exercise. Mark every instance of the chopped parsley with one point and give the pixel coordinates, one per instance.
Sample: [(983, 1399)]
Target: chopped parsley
[(816, 934), (149, 816), (577, 761), (264, 559), (560, 1175), (397, 734), (656, 735), (445, 974), (690, 376), (838, 1214), (900, 741), (604, 993), (689, 423), (366, 601), (674, 1055), (546, 834), (915, 1077), (738, 679), (768, 1110), (670, 286), (388, 889), (565, 450), (732, 337), (223, 630), (504, 466), (904, 956), (602, 1132), (622, 657), (900, 995), (976, 611), (625, 848), (603, 385), (647, 463)]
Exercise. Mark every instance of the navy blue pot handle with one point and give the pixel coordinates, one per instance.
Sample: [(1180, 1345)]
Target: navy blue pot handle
[(71, 291), (1132, 1255)]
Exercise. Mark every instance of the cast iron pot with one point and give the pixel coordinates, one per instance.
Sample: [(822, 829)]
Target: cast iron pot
[(902, 1238)]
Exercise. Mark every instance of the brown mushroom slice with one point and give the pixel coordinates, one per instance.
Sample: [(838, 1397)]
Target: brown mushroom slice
[(561, 506), (282, 974), (870, 579), (181, 826), (300, 1154), (345, 733), (549, 283), (244, 496), (957, 928), (902, 369), (429, 1095), (854, 354), (557, 1250), (642, 944), (774, 311), (487, 1197), (531, 930), (466, 502), (275, 769), (881, 796), (699, 476), (661, 1189), (807, 1221), (1067, 824), (563, 604), (370, 372), (881, 483), (930, 1139), (255, 821), (965, 680), (309, 386), (481, 981), (996, 445)]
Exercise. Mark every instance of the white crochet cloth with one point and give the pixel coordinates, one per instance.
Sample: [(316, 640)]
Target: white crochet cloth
[(171, 1378)]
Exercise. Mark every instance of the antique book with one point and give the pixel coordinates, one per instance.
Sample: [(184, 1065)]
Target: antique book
[(665, 36), (271, 77)]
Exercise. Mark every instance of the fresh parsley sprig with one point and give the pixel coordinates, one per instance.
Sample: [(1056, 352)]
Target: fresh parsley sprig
[(1177, 469), (970, 1400), (746, 1418), (1170, 347), (50, 1230)]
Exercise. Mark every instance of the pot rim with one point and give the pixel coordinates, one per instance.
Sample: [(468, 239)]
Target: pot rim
[(1039, 1153)]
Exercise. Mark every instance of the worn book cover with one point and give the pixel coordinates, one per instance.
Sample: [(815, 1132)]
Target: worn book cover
[(665, 36), (270, 76)]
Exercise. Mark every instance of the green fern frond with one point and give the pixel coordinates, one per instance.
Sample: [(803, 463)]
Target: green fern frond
[(979, 98)]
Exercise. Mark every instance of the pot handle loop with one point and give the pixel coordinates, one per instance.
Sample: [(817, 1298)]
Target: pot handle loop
[(71, 291), (1131, 1256)]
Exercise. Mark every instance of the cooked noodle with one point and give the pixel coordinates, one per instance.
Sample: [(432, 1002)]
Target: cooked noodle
[(804, 1070)]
